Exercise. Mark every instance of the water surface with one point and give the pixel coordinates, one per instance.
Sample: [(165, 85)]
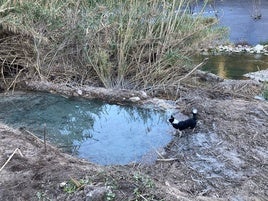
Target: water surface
[(237, 16), (233, 66), (94, 130)]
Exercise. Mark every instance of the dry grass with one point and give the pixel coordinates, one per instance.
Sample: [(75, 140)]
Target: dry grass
[(235, 121), (127, 44)]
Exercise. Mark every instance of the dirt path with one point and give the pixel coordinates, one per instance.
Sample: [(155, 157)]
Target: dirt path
[(225, 157)]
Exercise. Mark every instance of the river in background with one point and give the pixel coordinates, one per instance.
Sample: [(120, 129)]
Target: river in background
[(237, 15)]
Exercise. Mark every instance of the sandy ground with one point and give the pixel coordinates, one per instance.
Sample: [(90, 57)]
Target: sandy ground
[(224, 158)]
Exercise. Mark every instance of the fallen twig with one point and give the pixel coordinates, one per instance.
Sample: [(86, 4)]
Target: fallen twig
[(78, 185), (264, 111), (16, 150), (45, 142), (159, 154), (38, 139), (13, 84), (167, 159), (144, 198), (196, 67), (76, 182)]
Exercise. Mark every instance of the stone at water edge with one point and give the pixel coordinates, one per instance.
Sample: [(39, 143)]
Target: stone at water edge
[(259, 75), (258, 48), (134, 99)]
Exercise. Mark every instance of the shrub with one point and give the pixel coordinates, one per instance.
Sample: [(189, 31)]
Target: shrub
[(120, 44)]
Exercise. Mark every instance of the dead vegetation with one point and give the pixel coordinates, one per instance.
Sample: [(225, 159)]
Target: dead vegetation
[(224, 158), (233, 125), (109, 44)]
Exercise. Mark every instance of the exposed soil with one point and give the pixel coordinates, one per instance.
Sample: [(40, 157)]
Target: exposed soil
[(224, 158)]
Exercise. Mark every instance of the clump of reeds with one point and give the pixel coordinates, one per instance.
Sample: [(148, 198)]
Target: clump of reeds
[(126, 44)]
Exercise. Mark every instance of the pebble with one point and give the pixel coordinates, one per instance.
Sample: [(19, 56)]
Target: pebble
[(134, 99), (62, 184)]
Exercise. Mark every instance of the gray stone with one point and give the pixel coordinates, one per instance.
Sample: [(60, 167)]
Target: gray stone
[(134, 99), (259, 75), (258, 48), (95, 193)]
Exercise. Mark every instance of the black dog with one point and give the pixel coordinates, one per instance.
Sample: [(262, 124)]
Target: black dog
[(181, 125)]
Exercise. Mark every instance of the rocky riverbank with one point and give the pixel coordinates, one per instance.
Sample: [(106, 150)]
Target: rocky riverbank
[(232, 48)]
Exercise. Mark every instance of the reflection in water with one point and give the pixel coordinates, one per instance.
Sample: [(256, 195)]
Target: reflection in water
[(221, 68), (233, 66), (99, 132)]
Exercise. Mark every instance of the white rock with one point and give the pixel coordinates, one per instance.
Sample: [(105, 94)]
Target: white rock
[(62, 184), (135, 99), (247, 49), (220, 47), (259, 98), (237, 50), (258, 48), (259, 75), (79, 91), (144, 94)]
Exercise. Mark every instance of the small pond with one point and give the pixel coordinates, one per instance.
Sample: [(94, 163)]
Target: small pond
[(109, 134), (99, 132), (233, 66)]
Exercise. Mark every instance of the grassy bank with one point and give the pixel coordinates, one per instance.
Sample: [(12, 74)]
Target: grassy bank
[(116, 44)]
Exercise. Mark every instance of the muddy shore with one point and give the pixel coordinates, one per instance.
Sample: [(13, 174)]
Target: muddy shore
[(224, 158)]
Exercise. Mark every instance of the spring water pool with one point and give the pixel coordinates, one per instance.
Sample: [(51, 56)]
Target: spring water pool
[(99, 132)]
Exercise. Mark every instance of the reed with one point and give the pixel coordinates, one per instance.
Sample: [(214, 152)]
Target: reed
[(116, 44)]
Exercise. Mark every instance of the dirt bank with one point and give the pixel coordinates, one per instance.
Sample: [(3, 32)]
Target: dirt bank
[(225, 157)]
